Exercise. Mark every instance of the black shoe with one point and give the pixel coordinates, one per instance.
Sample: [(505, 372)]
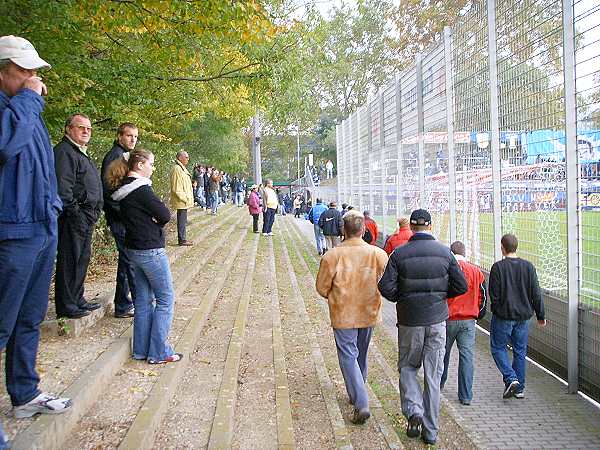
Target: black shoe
[(125, 315), (464, 402), (428, 441), (510, 389), (76, 314), (90, 306), (360, 416), (413, 429)]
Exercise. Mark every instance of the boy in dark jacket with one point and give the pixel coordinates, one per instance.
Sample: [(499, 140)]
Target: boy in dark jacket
[(419, 278), (514, 296)]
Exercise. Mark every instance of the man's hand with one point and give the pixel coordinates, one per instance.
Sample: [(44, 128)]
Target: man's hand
[(541, 323), (36, 85)]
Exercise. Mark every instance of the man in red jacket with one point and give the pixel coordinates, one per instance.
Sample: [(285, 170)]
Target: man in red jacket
[(464, 310), (400, 237), (371, 231)]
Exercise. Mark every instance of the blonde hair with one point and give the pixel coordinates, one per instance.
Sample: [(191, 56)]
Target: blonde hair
[(118, 169)]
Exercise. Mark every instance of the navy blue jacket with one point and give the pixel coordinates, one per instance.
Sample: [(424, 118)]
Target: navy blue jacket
[(111, 207), (419, 278), (29, 202)]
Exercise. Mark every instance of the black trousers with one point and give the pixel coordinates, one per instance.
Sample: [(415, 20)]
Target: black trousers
[(255, 222), (72, 261), (268, 220), (181, 224), (125, 273)]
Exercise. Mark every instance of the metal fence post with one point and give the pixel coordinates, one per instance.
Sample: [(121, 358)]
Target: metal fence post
[(450, 131), (420, 130), (382, 160), (495, 127), (399, 163), (573, 210), (338, 157), (370, 153)]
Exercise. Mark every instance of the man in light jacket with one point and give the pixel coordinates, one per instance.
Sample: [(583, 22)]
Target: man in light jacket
[(347, 278), (182, 194)]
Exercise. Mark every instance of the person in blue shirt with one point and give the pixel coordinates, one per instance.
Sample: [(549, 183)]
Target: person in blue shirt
[(313, 215), (29, 207)]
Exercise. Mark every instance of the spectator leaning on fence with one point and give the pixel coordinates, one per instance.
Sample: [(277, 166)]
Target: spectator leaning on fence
[(29, 208), (514, 297), (419, 278), (347, 278), (464, 310)]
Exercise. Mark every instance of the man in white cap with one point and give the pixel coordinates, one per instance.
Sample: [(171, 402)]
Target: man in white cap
[(29, 207)]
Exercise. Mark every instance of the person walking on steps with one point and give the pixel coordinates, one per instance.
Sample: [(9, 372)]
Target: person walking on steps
[(347, 278), (145, 216), (313, 216), (514, 297), (419, 278)]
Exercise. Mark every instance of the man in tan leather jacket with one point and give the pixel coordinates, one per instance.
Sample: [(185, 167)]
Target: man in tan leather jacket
[(347, 278)]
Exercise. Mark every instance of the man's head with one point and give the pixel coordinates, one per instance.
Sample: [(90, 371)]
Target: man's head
[(458, 248), (354, 224), (367, 214), (509, 244), (183, 157), (332, 204), (344, 205), (79, 128), (127, 135), (319, 201), (403, 222), (269, 183), (420, 220), (19, 61)]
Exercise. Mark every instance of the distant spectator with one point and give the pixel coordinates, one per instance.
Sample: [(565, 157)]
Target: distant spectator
[(254, 207), (371, 232), (514, 297), (270, 204), (182, 194), (313, 216), (400, 237), (332, 225)]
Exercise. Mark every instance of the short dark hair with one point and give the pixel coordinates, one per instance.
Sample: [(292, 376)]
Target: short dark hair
[(458, 248), (344, 205), (509, 243), (353, 223), (124, 126)]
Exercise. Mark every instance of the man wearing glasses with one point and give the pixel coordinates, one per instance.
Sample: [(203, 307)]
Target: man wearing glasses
[(80, 189)]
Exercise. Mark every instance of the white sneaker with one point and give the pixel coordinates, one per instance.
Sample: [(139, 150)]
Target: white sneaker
[(520, 394), (271, 234), (45, 403)]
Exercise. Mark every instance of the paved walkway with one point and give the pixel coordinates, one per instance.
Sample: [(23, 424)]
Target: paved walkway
[(548, 418)]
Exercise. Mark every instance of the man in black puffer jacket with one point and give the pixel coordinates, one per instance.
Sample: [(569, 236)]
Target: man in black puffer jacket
[(419, 278)]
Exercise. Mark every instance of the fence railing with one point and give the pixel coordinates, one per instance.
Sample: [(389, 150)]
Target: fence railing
[(497, 130)]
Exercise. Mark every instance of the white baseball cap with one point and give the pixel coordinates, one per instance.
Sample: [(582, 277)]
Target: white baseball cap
[(21, 52)]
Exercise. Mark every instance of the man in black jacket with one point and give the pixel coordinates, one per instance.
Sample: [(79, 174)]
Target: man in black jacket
[(332, 224), (80, 189), (514, 295), (127, 136), (419, 278)]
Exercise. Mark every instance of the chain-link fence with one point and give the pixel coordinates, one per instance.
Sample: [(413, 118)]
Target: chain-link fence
[(497, 130)]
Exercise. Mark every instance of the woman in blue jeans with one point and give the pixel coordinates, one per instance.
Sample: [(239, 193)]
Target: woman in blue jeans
[(144, 217)]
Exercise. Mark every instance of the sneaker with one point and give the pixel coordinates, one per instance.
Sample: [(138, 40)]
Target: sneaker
[(45, 403), (464, 402), (173, 358), (185, 244), (126, 314), (413, 429), (360, 416), (428, 441), (520, 394), (271, 234), (510, 389), (265, 234)]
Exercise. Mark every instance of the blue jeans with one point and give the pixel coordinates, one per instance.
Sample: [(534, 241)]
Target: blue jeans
[(125, 276), (239, 198), (25, 272), (152, 322), (320, 238), (515, 332), (463, 332), (3, 443), (214, 202), (268, 220), (352, 347)]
